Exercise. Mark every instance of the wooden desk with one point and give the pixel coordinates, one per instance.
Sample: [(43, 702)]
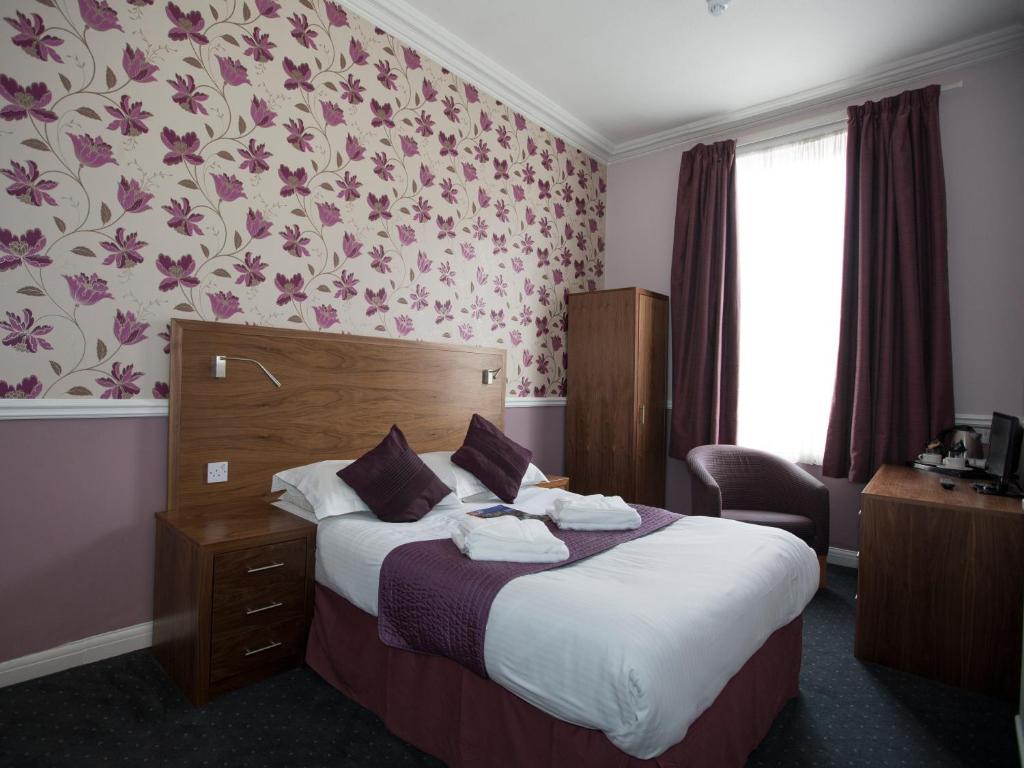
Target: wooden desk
[(941, 581)]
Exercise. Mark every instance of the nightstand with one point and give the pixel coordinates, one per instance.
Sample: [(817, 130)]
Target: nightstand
[(233, 595), (555, 481)]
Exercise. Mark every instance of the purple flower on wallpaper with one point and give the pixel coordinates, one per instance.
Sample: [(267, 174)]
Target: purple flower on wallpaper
[(233, 71), (518, 194), (485, 122), (254, 159), (383, 114), (412, 59), (380, 207), (228, 188), (352, 90), (465, 331), (379, 260), (183, 219), (336, 15), (523, 388), (166, 336), (131, 196), (357, 53), (409, 146), (223, 304), (423, 264), (385, 75), (419, 298), (421, 210), (187, 95), (136, 67), (556, 343), (383, 167), (186, 26), (501, 211), (406, 234), (299, 75), (302, 31), (333, 114), (23, 334), (544, 296), (123, 250), (128, 329), (515, 338), (469, 171), (129, 118), (268, 8), (25, 102), (472, 95), (29, 186), (531, 147), (424, 124), (330, 214), (478, 308), (176, 273), (250, 271), (294, 241), (261, 114), (98, 15), (30, 387), (354, 149), (120, 384), (403, 325), (451, 109), (290, 290), (161, 390), (376, 302), (326, 316), (426, 177), (351, 246), (26, 249), (500, 286), (443, 310), (500, 169), (87, 290), (482, 198), (259, 45), (298, 136), (504, 137), (32, 37), (184, 148), (447, 274), (449, 192), (468, 251), (527, 358), (429, 91), (445, 227), (497, 319), (257, 225), (479, 229), (448, 144), (294, 181), (346, 286)]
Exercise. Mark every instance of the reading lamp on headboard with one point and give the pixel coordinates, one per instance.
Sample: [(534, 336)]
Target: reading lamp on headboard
[(220, 367)]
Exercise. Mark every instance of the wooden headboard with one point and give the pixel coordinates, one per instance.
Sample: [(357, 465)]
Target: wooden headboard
[(339, 395)]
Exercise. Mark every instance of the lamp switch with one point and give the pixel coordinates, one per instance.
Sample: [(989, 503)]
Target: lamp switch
[(217, 472)]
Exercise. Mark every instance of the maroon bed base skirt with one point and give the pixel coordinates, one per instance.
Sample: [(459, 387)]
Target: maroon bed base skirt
[(447, 711)]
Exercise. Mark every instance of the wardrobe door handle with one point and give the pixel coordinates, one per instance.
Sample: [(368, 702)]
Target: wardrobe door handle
[(264, 567), (643, 414)]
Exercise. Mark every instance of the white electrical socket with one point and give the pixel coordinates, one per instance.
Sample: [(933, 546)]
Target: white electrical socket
[(217, 472)]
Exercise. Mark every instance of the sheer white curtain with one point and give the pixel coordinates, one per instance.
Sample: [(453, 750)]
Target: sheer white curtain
[(790, 207)]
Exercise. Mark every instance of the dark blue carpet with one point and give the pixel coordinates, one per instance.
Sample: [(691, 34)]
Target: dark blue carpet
[(124, 712)]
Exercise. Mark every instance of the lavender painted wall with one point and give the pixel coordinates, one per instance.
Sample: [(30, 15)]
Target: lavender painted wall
[(983, 148), (76, 526)]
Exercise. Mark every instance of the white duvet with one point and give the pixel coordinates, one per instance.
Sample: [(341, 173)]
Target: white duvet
[(637, 641)]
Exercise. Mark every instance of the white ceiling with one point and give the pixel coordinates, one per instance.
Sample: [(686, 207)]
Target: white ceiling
[(626, 70)]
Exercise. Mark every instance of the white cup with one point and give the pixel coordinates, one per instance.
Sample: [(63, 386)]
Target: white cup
[(955, 462), (930, 458)]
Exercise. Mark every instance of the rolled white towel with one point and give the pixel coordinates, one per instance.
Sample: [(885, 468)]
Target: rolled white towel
[(508, 539), (594, 513)]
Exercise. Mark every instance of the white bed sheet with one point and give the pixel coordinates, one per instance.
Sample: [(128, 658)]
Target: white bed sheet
[(637, 641)]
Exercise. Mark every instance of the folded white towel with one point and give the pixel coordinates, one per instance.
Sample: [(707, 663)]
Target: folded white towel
[(594, 513), (508, 539)]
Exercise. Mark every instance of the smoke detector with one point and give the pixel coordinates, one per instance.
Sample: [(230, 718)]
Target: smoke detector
[(717, 7)]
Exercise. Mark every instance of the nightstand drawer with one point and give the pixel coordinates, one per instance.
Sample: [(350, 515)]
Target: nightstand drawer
[(244, 650), (237, 574), (258, 605)]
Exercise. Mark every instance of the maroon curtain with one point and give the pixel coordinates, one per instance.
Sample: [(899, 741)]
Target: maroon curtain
[(705, 301), (894, 378)]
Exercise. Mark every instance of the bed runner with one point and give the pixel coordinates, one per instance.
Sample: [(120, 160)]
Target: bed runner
[(434, 599)]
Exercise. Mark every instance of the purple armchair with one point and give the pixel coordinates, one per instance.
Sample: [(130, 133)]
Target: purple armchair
[(757, 487)]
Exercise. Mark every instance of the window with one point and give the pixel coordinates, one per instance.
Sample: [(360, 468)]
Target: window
[(790, 206)]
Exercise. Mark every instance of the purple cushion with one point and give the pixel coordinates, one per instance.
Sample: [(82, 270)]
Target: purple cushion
[(495, 460), (393, 481)]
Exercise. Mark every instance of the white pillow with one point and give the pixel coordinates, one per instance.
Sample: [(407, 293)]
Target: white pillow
[(465, 484), (317, 488)]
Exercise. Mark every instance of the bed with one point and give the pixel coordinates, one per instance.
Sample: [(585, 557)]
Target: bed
[(676, 649)]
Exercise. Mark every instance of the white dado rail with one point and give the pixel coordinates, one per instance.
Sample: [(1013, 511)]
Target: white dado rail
[(139, 408)]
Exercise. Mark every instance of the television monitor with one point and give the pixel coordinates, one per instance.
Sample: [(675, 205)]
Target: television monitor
[(1004, 452)]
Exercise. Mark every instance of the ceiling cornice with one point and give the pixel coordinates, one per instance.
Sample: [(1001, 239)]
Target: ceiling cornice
[(430, 38), (839, 93)]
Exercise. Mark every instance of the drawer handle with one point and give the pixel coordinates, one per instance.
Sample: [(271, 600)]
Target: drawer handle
[(251, 611), (267, 647), (264, 567)]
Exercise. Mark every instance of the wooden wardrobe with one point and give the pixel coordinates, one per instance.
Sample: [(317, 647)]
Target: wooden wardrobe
[(616, 414)]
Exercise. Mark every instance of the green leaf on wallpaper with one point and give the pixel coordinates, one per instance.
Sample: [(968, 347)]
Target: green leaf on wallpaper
[(111, 78), (205, 250), (323, 288), (407, 121), (380, 328), (104, 213), (60, 224), (209, 129), (342, 62), (241, 125), (446, 335), (65, 82), (42, 146), (80, 392), (192, 61), (307, 3), (238, 239), (337, 261), (298, 212), (90, 113), (325, 185), (246, 13), (316, 167), (302, 107), (101, 349), (416, 101), (383, 235), (385, 142), (56, 367), (188, 184), (331, 86), (338, 160), (183, 307), (213, 12), (81, 250), (225, 155), (30, 290), (311, 270), (319, 64), (392, 284), (453, 87), (414, 187), (294, 319), (230, 39), (47, 3), (388, 50), (221, 272), (412, 275), (401, 301)]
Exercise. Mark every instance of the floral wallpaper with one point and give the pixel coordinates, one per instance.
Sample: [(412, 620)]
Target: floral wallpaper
[(268, 162)]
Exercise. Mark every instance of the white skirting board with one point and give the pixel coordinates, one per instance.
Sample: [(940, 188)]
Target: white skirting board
[(76, 653)]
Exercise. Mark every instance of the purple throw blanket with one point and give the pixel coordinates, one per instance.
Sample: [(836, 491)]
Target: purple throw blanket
[(434, 599)]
